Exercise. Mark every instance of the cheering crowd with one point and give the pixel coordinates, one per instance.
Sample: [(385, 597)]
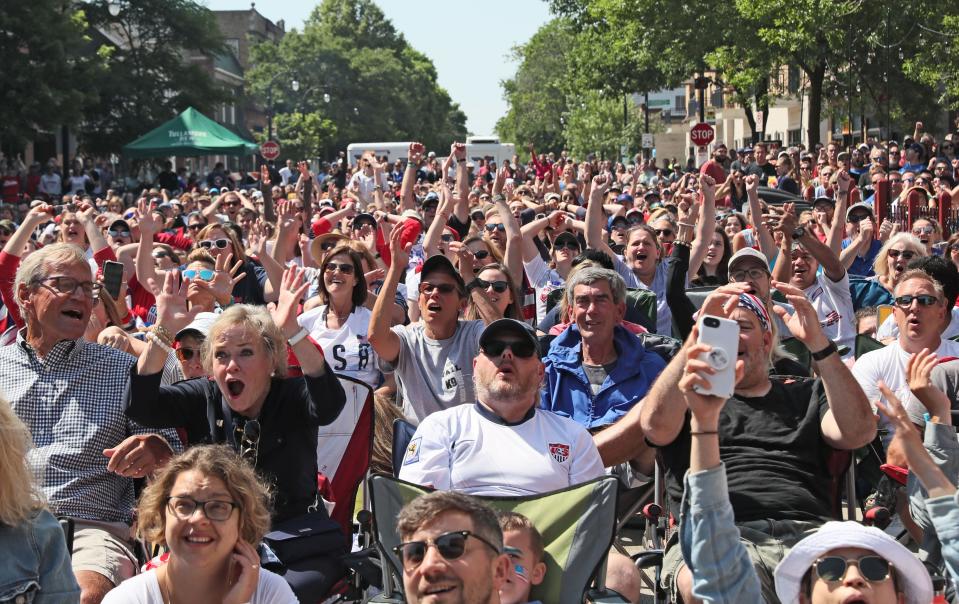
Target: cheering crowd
[(171, 355)]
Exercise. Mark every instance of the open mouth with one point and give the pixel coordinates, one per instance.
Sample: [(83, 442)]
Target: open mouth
[(641, 256), (235, 387), (73, 314), (434, 307)]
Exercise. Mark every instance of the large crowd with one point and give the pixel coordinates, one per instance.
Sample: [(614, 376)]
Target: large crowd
[(174, 349)]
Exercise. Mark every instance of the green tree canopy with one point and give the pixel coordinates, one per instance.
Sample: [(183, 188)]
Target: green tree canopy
[(357, 73)]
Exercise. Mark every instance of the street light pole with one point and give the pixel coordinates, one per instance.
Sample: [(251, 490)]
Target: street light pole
[(269, 113)]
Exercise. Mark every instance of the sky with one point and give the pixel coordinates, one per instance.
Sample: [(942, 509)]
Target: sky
[(470, 47)]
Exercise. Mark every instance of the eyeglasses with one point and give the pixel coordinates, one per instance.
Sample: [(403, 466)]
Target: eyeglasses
[(204, 274), (215, 510), (906, 254), (346, 269), (498, 286), (249, 440), (450, 545), (69, 286), (219, 243), (481, 254), (186, 354), (923, 300), (523, 349), (444, 288), (872, 568), (566, 245), (749, 274), (116, 234), (663, 232), (495, 227)]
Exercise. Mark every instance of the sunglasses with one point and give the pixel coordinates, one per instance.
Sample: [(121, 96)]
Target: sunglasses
[(203, 274), (566, 245), (663, 232), (523, 349), (450, 545), (495, 227), (116, 234), (327, 245), (444, 288), (481, 254), (906, 254), (833, 568), (498, 286), (923, 231), (478, 216), (187, 354), (446, 238), (230, 204), (923, 300), (220, 244), (249, 439), (160, 255), (346, 269), (195, 227)]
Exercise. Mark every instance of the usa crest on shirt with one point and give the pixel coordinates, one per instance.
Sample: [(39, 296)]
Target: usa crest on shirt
[(559, 451)]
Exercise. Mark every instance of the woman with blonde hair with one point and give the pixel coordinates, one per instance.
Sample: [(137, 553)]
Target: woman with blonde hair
[(894, 257), (210, 509), (29, 534)]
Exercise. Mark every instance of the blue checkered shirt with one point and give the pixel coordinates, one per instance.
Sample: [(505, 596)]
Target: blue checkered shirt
[(72, 401)]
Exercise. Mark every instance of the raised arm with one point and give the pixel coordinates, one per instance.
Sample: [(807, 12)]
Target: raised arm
[(147, 274), (596, 218), (767, 245), (415, 155), (829, 261), (87, 214), (284, 316), (269, 214), (384, 341), (850, 422), (431, 242), (836, 231), (514, 250), (461, 206), (704, 224)]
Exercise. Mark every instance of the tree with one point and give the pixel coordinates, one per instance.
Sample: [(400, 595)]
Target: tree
[(354, 70), (536, 95), (595, 125), (146, 78), (44, 68), (304, 135)]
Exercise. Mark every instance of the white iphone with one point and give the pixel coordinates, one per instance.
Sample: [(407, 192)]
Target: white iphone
[(723, 336)]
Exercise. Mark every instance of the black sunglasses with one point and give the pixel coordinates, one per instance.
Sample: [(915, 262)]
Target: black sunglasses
[(872, 568), (446, 238), (480, 254), (249, 440), (495, 227), (922, 299), (566, 245), (663, 232), (346, 269), (523, 349), (906, 254), (450, 545), (444, 288), (498, 286)]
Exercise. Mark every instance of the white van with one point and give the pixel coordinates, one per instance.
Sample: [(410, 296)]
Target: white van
[(489, 148), (392, 151)]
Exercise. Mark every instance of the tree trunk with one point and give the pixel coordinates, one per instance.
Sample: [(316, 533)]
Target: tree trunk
[(816, 77), (751, 120), (762, 103)]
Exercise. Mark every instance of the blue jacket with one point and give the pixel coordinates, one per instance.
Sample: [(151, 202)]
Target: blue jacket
[(35, 564), (568, 392)]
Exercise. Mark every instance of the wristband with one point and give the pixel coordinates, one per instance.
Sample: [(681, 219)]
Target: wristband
[(163, 334), (704, 432), (298, 337), (151, 336), (823, 354), (499, 197)]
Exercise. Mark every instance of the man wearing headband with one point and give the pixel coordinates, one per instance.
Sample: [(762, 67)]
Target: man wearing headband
[(776, 435), (841, 562)]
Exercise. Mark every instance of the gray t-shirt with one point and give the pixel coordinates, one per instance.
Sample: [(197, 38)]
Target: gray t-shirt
[(945, 377), (435, 374)]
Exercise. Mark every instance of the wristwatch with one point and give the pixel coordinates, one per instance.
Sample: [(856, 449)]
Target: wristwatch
[(823, 354), (798, 232)]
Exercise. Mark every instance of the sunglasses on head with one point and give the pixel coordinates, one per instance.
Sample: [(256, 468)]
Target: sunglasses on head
[(498, 286), (906, 254), (523, 349), (833, 568), (346, 269), (444, 288), (450, 545), (220, 244), (203, 274), (187, 354), (923, 300), (495, 227)]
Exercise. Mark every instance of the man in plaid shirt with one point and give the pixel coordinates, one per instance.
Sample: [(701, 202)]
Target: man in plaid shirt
[(70, 393)]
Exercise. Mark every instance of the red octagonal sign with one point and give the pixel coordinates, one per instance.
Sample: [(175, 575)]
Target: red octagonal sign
[(702, 134), (270, 150)]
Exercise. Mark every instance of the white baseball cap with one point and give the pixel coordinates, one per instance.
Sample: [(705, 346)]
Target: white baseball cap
[(748, 252)]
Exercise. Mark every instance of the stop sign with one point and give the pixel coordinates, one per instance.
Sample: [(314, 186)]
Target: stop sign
[(270, 150), (702, 134)]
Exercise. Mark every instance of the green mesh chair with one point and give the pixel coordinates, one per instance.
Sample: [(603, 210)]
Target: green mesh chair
[(577, 525), (866, 344)]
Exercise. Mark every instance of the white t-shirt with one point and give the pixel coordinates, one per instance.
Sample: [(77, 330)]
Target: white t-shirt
[(364, 185), (544, 280), (145, 589), (890, 329), (833, 304), (469, 449), (347, 349), (889, 366)]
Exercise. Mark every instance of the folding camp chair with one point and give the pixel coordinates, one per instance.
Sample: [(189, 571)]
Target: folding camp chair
[(402, 435), (577, 525), (640, 306)]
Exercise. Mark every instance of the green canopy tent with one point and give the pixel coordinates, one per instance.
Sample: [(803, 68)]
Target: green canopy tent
[(189, 134)]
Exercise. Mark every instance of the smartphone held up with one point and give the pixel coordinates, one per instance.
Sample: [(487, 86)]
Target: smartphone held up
[(722, 335)]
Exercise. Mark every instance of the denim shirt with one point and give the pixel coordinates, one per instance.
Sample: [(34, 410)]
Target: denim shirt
[(721, 568), (35, 565), (939, 516)]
